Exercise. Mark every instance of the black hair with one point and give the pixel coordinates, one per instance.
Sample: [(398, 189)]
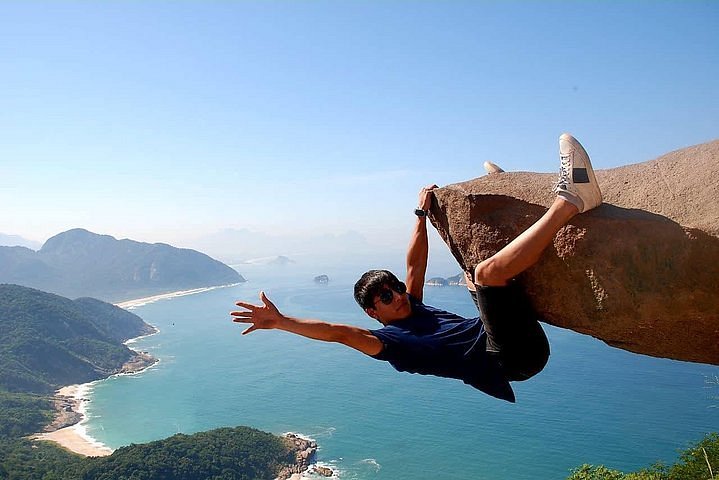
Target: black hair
[(370, 284)]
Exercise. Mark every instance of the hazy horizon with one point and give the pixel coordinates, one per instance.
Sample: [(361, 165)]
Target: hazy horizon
[(239, 248)]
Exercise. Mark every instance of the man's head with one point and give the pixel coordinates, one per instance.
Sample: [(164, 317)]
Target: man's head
[(382, 296)]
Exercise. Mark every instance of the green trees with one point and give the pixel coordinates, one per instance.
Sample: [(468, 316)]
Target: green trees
[(23, 414), (47, 341), (22, 459), (698, 462), (239, 453)]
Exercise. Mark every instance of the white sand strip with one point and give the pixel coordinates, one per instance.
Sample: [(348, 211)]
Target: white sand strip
[(75, 437), (130, 304), (71, 439)]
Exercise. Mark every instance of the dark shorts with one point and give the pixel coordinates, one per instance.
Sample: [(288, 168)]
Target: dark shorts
[(513, 333)]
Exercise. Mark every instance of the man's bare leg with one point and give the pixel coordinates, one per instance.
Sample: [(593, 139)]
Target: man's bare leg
[(525, 250), (577, 191)]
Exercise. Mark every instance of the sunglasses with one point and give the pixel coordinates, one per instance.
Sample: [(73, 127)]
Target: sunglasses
[(386, 296)]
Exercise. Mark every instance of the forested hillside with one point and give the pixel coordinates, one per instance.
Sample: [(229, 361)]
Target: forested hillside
[(47, 341), (239, 453)]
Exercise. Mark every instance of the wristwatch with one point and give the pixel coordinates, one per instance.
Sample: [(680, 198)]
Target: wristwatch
[(419, 212)]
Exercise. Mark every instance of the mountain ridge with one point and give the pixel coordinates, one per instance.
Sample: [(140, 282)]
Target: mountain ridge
[(79, 263)]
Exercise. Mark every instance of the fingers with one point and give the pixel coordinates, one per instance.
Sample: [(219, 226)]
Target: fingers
[(263, 298), (266, 300), (248, 306), (425, 196), (258, 315)]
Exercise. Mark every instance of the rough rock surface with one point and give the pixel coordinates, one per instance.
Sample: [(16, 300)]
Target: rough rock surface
[(324, 471), (640, 272), (304, 451)]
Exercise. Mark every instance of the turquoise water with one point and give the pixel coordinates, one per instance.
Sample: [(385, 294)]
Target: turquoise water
[(592, 404)]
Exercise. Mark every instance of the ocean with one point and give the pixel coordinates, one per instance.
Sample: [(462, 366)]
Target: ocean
[(592, 403)]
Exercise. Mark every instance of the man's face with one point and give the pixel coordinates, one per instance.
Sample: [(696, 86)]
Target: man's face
[(389, 306)]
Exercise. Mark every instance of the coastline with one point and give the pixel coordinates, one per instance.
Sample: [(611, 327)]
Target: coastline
[(68, 429)]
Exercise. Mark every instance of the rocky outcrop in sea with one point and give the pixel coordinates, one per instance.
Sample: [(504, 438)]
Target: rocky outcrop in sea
[(304, 450)]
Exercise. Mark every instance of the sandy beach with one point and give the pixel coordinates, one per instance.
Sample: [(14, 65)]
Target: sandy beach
[(71, 439), (69, 403), (68, 429)]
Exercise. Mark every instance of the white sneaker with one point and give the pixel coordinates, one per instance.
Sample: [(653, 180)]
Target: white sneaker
[(577, 183)]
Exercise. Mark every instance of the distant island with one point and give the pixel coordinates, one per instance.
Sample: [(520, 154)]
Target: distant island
[(280, 260), (322, 279), (455, 280), (81, 263)]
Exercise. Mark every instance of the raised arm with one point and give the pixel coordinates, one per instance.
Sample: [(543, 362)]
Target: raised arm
[(267, 316), (418, 250)]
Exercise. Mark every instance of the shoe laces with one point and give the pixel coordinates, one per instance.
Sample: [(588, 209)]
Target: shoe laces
[(565, 172)]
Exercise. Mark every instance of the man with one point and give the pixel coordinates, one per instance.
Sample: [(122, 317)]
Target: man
[(506, 343)]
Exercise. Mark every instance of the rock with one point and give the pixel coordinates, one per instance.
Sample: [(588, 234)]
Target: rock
[(138, 362), (324, 471), (322, 279), (303, 450), (640, 272)]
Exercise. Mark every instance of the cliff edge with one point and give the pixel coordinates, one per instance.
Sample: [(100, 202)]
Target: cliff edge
[(640, 272)]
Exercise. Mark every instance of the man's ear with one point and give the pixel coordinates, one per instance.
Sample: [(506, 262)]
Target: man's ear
[(371, 312)]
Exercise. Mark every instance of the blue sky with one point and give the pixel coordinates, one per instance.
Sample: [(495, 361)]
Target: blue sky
[(169, 121)]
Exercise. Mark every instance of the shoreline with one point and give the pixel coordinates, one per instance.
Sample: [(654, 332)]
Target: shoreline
[(70, 405), (67, 428)]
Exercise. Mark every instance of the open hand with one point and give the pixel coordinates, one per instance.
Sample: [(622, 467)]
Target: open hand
[(264, 316)]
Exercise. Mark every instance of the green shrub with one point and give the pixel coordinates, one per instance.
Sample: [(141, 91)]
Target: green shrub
[(698, 462)]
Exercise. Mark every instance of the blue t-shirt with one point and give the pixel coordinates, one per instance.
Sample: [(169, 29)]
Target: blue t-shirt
[(435, 342)]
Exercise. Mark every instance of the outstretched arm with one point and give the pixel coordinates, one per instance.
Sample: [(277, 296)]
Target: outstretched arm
[(418, 250), (267, 316)]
